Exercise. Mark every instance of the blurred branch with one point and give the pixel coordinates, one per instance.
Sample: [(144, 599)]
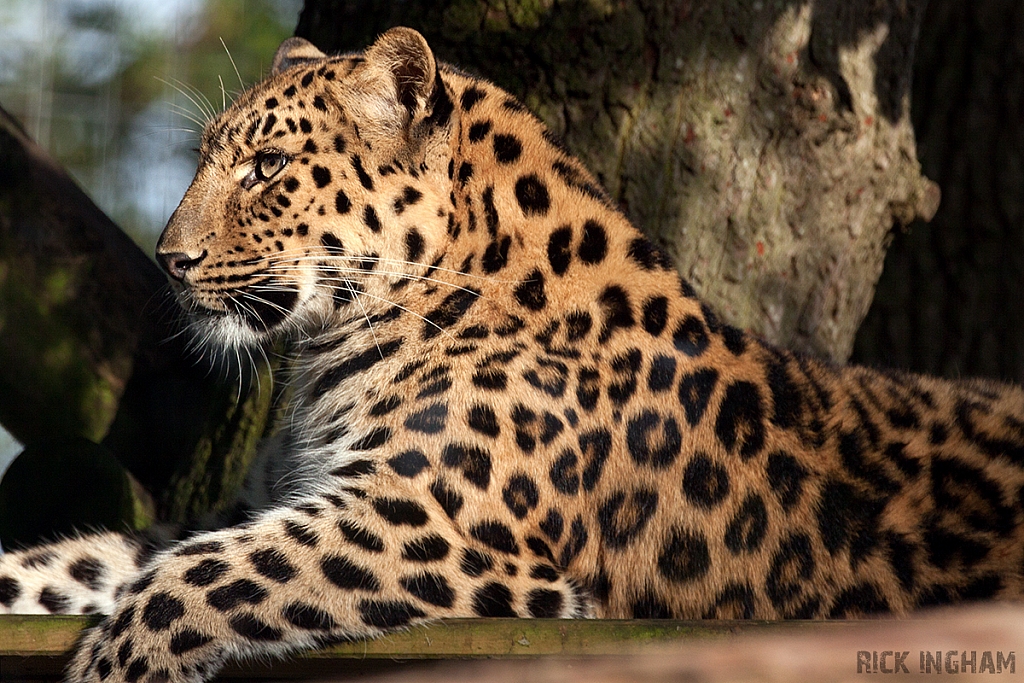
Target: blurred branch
[(73, 290), (88, 350)]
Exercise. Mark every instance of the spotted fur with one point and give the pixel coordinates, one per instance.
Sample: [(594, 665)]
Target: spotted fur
[(507, 402)]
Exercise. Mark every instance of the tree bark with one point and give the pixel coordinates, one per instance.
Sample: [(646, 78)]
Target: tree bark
[(765, 145), (951, 298)]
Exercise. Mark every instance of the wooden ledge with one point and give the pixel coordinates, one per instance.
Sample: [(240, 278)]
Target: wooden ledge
[(49, 636), (36, 648)]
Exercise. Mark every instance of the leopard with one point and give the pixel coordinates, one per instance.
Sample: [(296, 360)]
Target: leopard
[(506, 402)]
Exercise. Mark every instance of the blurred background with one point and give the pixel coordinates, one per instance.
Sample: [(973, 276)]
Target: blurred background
[(117, 90)]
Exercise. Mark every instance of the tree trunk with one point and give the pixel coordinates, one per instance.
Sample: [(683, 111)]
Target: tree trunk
[(766, 145), (951, 298)]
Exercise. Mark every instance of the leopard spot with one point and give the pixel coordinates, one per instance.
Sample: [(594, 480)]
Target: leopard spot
[(187, 639), (408, 463), (479, 130), (544, 603), (786, 477), (430, 588), (705, 482), (388, 614), (553, 525), (54, 601), (474, 462), (346, 574), (530, 292), (792, 566), (493, 600), (482, 419), (301, 533), (475, 563), (401, 512), (356, 468), (161, 611), (559, 254), (495, 535), (747, 529), (653, 440), (10, 590), (307, 617), (532, 195), (89, 572), (321, 176), (740, 423), (691, 336), (431, 548), (648, 605), (655, 315), (136, 669), (430, 420), (594, 243), (735, 601), (206, 572), (623, 517), (250, 626), (577, 540), (684, 557), (470, 97), (520, 495), (367, 540), (448, 498), (273, 564), (507, 148), (860, 599), (564, 473), (233, 594)]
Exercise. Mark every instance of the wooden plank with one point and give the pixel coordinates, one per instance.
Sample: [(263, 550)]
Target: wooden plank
[(823, 652), (36, 648), (30, 635), (512, 638), (26, 636)]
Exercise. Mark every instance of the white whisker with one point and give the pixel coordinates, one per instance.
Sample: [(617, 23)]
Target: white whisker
[(373, 333), (233, 65), (193, 96), (378, 259)]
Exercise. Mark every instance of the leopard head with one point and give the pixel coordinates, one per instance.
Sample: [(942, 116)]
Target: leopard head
[(321, 184)]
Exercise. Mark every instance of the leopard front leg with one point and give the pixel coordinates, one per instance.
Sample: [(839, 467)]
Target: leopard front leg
[(79, 575), (301, 576)]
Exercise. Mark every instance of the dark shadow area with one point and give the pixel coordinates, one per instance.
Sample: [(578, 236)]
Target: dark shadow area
[(951, 298)]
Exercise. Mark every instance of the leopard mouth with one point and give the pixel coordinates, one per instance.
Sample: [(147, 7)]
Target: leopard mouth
[(262, 309), (258, 306)]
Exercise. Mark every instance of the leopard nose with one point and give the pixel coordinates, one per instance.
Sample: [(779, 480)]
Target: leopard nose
[(177, 264)]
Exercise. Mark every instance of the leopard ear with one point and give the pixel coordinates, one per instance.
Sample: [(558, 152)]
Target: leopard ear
[(293, 52), (401, 68)]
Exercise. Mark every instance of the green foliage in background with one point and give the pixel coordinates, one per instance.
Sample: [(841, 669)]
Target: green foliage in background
[(115, 96)]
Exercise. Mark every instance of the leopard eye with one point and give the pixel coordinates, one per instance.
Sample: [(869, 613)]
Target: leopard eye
[(269, 164)]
